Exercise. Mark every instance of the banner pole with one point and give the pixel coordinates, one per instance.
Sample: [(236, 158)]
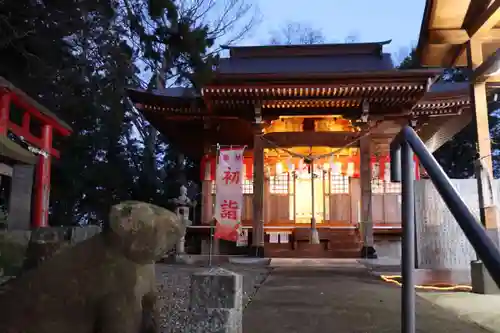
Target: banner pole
[(214, 222)]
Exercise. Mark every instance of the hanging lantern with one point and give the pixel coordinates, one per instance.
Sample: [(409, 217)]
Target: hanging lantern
[(248, 167), (350, 169), (331, 162), (356, 160), (375, 168), (279, 168), (326, 166), (268, 171), (337, 168), (387, 171)]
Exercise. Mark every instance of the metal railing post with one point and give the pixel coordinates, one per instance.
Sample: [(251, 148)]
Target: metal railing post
[(408, 243), (403, 146)]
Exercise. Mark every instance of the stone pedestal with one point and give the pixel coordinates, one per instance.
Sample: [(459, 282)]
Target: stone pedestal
[(183, 213), (20, 197), (216, 302), (482, 283)]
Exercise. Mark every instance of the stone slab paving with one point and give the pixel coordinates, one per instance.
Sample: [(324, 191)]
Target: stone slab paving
[(481, 309), (173, 287), (338, 297)]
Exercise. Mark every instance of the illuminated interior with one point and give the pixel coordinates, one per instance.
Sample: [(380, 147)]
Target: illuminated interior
[(286, 170), (321, 124)]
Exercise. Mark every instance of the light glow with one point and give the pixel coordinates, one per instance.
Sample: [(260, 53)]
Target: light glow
[(279, 168), (396, 280), (350, 169), (337, 168)]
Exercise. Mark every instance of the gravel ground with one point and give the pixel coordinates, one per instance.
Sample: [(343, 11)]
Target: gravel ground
[(173, 286)]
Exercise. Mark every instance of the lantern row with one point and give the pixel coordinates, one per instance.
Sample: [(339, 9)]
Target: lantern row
[(342, 165)]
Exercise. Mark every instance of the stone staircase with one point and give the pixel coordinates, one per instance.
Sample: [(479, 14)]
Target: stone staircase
[(334, 243)]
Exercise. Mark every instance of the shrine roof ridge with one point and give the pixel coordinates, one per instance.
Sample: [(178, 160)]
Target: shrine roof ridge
[(372, 76), (305, 49), (337, 63)]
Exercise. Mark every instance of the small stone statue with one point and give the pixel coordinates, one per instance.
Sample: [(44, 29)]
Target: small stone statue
[(183, 204)]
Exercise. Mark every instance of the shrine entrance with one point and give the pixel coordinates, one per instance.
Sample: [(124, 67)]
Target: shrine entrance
[(304, 200)]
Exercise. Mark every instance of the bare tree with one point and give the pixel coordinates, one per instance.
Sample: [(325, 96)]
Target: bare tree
[(228, 20), (222, 22), (297, 33)]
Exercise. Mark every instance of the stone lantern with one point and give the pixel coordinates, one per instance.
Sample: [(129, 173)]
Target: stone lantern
[(182, 208)]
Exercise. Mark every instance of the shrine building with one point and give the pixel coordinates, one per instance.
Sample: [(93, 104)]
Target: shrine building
[(329, 109)]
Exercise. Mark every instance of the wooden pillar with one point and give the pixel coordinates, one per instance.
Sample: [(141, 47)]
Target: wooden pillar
[(42, 190), (4, 113), (257, 248), (206, 196), (267, 201), (366, 222), (488, 210)]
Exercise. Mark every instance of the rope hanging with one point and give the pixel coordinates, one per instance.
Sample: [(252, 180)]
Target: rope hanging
[(312, 158)]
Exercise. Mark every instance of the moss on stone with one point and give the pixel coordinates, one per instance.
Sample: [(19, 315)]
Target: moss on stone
[(13, 245)]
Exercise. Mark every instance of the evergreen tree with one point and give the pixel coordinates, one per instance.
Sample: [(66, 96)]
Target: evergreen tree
[(77, 58)]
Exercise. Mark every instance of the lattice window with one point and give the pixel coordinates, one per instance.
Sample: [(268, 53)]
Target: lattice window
[(247, 186), (392, 187), (279, 184), (378, 186), (339, 184)]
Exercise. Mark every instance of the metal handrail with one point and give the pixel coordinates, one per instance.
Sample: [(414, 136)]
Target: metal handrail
[(402, 171)]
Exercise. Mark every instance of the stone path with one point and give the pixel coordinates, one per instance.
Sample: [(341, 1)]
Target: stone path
[(341, 299)]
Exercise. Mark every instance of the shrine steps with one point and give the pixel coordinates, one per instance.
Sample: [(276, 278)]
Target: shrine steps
[(333, 244)]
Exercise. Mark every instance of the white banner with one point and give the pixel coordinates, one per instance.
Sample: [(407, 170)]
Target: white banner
[(229, 194)]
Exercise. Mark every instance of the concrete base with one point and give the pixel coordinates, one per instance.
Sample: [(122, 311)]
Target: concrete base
[(256, 251), (184, 259), (482, 283), (368, 252), (253, 261)]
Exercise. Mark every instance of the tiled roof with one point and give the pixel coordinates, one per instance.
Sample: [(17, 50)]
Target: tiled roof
[(306, 64)]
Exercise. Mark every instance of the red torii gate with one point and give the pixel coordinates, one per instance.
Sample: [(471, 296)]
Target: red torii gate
[(51, 125)]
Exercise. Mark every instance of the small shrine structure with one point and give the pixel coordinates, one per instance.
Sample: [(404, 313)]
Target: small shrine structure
[(27, 164), (331, 110)]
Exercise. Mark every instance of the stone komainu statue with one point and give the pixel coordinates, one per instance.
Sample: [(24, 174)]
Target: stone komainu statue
[(105, 284)]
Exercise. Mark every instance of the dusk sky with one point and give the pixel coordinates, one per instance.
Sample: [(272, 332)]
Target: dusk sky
[(368, 20)]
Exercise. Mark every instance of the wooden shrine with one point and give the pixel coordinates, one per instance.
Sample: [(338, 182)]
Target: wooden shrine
[(340, 104), (27, 167)]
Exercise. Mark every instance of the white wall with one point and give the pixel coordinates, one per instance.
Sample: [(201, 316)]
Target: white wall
[(441, 244)]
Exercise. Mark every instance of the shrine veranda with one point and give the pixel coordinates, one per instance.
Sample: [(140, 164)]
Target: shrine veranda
[(329, 109)]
